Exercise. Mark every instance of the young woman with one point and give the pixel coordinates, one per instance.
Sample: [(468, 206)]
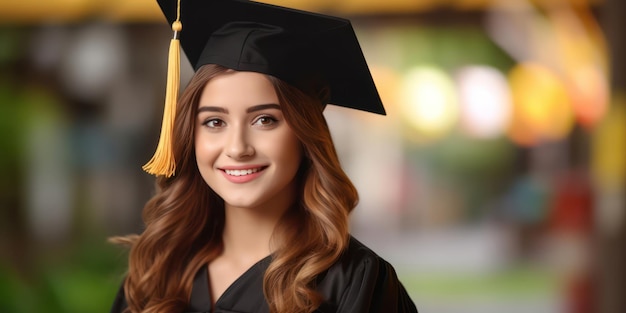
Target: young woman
[(255, 218)]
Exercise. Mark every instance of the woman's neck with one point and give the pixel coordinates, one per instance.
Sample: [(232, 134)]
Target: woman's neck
[(246, 235), (248, 232)]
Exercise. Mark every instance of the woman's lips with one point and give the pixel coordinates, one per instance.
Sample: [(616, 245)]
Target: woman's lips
[(242, 175)]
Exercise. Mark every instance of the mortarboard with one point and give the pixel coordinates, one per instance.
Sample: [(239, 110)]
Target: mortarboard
[(305, 49)]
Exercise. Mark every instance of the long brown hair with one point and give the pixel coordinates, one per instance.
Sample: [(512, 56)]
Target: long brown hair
[(185, 219)]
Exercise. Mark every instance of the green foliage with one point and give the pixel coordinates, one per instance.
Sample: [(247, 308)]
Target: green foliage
[(82, 278)]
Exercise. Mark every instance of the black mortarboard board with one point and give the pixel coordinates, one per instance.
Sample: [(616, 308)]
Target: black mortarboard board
[(296, 46)]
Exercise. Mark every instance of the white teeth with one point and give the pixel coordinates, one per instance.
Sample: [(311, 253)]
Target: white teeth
[(242, 172)]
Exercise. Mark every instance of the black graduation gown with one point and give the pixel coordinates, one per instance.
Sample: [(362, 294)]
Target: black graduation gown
[(360, 281)]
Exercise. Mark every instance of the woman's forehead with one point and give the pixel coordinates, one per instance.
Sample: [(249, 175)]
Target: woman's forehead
[(238, 89)]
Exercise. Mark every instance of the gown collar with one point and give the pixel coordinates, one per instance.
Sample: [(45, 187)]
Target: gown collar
[(245, 291)]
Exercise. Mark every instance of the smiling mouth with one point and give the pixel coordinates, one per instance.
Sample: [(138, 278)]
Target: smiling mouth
[(244, 172)]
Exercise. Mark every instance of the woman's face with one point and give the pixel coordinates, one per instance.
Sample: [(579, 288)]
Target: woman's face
[(245, 150)]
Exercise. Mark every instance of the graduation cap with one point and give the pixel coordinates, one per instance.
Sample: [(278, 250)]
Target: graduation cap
[(305, 49)]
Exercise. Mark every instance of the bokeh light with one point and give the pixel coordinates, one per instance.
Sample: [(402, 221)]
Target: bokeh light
[(590, 95), (485, 101), (541, 105), (429, 102)]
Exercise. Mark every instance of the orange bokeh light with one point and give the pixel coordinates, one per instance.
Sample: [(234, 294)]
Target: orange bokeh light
[(541, 105)]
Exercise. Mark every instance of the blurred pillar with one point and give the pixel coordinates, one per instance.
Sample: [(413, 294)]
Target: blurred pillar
[(612, 248)]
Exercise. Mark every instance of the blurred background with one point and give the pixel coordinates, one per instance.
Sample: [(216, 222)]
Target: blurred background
[(495, 184)]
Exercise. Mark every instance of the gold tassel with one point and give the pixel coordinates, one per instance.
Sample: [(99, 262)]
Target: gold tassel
[(162, 162)]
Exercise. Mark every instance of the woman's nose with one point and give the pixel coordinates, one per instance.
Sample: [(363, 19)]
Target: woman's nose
[(238, 145)]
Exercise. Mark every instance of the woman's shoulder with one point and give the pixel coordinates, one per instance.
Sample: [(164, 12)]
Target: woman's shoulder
[(358, 257), (356, 262), (357, 248), (362, 281)]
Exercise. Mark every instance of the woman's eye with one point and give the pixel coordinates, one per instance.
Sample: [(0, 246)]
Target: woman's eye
[(265, 120), (214, 123)]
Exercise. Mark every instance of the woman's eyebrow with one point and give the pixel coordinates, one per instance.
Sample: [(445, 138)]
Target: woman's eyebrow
[(263, 107), (255, 108), (212, 109)]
